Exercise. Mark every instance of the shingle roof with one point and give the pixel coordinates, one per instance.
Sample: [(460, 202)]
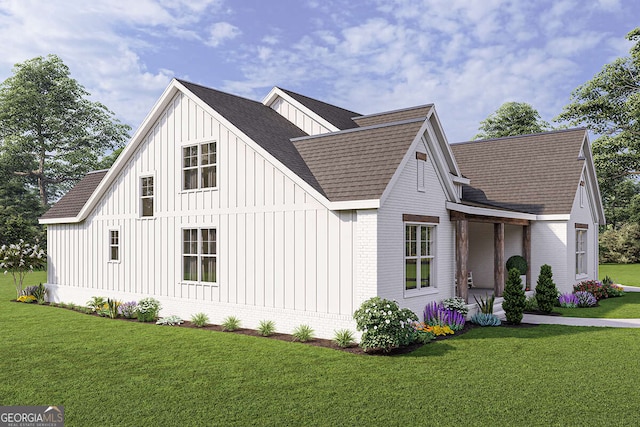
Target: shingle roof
[(339, 117), (357, 164), (394, 116), (71, 203), (537, 174), (260, 123)]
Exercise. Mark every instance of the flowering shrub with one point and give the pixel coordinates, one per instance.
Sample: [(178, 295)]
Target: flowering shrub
[(586, 299), (594, 287), (568, 300), (457, 304), (615, 290), (128, 309), (438, 314), (19, 259), (384, 325), (26, 298), (147, 309), (424, 332)]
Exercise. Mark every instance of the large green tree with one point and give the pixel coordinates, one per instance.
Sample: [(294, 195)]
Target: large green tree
[(512, 118), (50, 132), (609, 106)]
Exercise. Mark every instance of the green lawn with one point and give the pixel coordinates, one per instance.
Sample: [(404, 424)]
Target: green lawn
[(625, 307), (624, 274), (109, 372)]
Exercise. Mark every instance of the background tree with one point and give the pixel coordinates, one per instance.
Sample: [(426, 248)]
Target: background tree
[(50, 132), (512, 118)]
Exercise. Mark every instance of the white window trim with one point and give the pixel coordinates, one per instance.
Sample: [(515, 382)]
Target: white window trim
[(109, 246), (199, 167), (141, 197), (584, 253), (420, 291), (199, 255)]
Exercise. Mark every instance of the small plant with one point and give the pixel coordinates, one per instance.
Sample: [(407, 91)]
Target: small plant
[(531, 303), (26, 298), (343, 338), (39, 292), (546, 291), (303, 333), (615, 290), (486, 305), (594, 287), (266, 328), (485, 319), (96, 304), (128, 309), (169, 321), (457, 304), (518, 263), (147, 309), (230, 324), (424, 332), (514, 297), (607, 280), (199, 319), (568, 300), (586, 299), (384, 325), (438, 314), (114, 307)]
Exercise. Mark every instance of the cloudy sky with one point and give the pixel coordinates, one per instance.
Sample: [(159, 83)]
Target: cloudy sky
[(466, 56)]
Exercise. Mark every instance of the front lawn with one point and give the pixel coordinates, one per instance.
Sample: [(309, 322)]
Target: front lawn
[(109, 372), (624, 274), (625, 307)]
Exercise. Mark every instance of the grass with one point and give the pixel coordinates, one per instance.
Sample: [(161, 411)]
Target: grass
[(624, 274), (109, 372), (625, 307)]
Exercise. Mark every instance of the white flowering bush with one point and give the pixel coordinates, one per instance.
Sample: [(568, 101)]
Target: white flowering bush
[(148, 309), (19, 259), (384, 325)]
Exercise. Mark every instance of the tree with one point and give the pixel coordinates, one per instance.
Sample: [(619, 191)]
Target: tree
[(514, 297), (19, 210), (609, 105), (512, 118), (546, 291), (49, 130)]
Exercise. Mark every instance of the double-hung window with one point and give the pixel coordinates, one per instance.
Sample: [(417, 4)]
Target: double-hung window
[(581, 251), (199, 166), (199, 253), (146, 195), (419, 256), (114, 245)]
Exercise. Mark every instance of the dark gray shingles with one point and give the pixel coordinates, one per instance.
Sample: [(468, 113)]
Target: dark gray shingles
[(358, 164), (260, 123), (72, 203), (339, 117), (537, 174), (394, 116)]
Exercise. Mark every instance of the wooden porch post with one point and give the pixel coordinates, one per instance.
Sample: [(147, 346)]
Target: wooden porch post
[(526, 250), (462, 255), (498, 259)]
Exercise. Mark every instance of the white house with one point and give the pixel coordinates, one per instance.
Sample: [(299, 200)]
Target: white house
[(296, 211)]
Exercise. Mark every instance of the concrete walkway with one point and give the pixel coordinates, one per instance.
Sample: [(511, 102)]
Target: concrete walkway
[(580, 321)]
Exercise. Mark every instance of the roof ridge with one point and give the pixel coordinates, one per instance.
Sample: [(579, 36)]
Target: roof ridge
[(581, 128), (359, 129), (394, 111), (182, 81)]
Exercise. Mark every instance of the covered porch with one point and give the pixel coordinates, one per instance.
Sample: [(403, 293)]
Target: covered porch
[(492, 222)]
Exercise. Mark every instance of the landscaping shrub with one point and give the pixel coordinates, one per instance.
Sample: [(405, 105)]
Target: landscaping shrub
[(531, 303), (457, 304), (39, 292), (344, 338), (437, 314), (424, 332), (170, 321), (586, 299), (199, 320), (98, 305), (113, 307), (303, 333), (486, 305), (266, 327), (384, 325), (594, 287), (514, 297), (128, 309), (518, 263), (20, 259), (546, 291), (615, 290), (230, 324), (568, 300), (485, 319), (147, 309)]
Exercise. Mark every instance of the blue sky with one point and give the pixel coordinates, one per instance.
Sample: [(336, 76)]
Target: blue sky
[(466, 56)]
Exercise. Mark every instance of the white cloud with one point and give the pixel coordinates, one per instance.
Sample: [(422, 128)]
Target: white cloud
[(221, 32)]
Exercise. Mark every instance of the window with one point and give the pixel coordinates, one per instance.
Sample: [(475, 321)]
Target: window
[(419, 256), (114, 245), (199, 255), (199, 166), (581, 251), (421, 159), (146, 195)]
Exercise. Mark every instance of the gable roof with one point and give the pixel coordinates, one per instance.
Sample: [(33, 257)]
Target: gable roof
[(358, 164), (337, 116), (421, 111), (72, 202), (537, 174)]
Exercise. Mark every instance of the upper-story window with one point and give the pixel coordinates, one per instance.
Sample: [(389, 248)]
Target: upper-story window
[(146, 195), (199, 166), (421, 159)]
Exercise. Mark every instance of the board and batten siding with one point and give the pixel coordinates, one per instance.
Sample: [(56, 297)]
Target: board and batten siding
[(282, 255), (298, 117), (406, 199)]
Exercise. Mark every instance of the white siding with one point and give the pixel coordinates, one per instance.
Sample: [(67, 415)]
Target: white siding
[(549, 246), (282, 256), (299, 118)]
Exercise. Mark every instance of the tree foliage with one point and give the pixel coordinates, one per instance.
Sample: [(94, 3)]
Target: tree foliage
[(512, 118), (49, 131), (546, 291), (514, 297)]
